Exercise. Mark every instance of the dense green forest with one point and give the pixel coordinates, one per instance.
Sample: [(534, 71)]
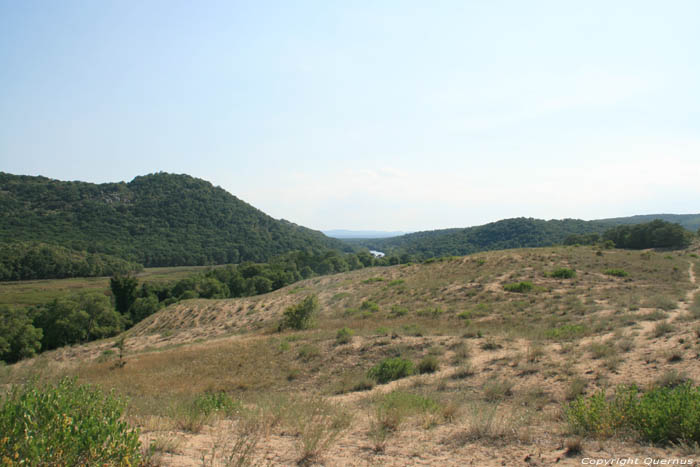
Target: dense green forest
[(155, 220), (26, 261)]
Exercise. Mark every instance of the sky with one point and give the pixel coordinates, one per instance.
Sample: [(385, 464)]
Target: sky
[(386, 115)]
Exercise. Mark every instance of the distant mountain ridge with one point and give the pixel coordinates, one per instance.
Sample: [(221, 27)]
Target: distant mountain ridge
[(159, 219)]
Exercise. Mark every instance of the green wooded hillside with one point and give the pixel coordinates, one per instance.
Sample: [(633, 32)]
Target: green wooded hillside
[(508, 233), (157, 220)]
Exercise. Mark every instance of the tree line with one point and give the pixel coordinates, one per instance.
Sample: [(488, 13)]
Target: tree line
[(28, 261), (84, 317), (654, 234)]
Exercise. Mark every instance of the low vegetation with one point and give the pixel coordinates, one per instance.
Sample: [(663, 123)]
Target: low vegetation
[(447, 358), (66, 424)]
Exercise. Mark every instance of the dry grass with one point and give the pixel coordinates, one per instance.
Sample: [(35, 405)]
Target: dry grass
[(508, 362)]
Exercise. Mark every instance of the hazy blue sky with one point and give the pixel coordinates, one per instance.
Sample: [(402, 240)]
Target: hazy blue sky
[(407, 115)]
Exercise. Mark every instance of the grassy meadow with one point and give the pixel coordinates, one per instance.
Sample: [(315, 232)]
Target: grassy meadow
[(37, 292), (481, 354)]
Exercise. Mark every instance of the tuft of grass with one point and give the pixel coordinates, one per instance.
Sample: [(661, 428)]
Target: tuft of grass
[(397, 311), (308, 352), (616, 272), (428, 364), (372, 280), (671, 379), (497, 389), (601, 350), (318, 424), (662, 328), (464, 371), (484, 423)]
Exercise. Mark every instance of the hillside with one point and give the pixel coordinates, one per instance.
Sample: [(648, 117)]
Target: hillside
[(496, 364), (508, 233), (156, 220), (504, 234)]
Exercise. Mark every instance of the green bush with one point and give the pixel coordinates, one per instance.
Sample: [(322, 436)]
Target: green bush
[(670, 415), (601, 417), (66, 424), (563, 273), (391, 369), (662, 415), (616, 272), (369, 305), (519, 287), (215, 402), (344, 335), (300, 316)]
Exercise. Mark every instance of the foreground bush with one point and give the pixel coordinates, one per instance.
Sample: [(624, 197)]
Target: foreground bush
[(662, 415), (300, 316), (65, 424), (391, 369)]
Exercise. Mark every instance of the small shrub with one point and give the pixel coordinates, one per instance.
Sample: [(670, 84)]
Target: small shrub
[(616, 272), (369, 305), (398, 310), (566, 332), (391, 369), (428, 364), (519, 287), (465, 315), (343, 336), (396, 282), (413, 330), (213, 402), (353, 382), (300, 316), (563, 273), (308, 352), (430, 312), (372, 280), (662, 415), (66, 424), (601, 417), (667, 415)]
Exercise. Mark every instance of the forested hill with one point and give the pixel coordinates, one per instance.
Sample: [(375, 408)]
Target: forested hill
[(508, 233), (156, 220)]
